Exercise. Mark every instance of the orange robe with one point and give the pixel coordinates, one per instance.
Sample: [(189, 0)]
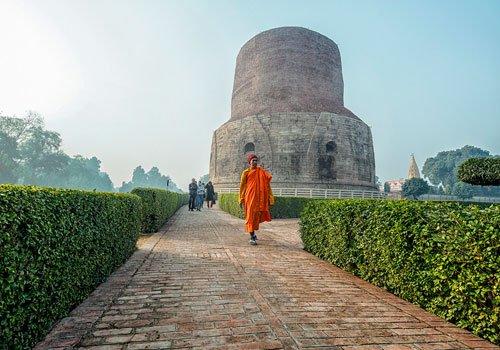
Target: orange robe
[(255, 191)]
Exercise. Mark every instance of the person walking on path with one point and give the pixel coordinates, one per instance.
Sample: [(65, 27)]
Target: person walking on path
[(193, 189), (201, 194), (210, 194), (256, 196)]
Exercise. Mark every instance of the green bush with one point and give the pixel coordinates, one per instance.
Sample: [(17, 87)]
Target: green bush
[(158, 206), (288, 207), (480, 171), (415, 187), (56, 246), (229, 203), (441, 256), (283, 208)]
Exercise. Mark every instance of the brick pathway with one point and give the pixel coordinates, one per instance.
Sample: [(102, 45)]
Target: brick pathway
[(198, 284)]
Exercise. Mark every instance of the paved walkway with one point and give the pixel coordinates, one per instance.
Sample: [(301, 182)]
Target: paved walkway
[(198, 284)]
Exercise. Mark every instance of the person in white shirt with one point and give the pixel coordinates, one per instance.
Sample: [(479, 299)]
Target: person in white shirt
[(200, 195)]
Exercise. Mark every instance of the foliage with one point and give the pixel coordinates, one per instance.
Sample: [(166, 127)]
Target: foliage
[(283, 208), (442, 169), (441, 256), (56, 246), (8, 156), (462, 190), (288, 207), (387, 187), (480, 171), (86, 174), (158, 206), (29, 154), (412, 188), (152, 179), (204, 179), (229, 202), (438, 190), (42, 161)]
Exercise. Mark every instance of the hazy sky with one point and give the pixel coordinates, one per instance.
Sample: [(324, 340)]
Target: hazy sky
[(145, 82)]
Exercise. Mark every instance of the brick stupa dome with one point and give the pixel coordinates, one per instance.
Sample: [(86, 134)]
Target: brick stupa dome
[(288, 69)]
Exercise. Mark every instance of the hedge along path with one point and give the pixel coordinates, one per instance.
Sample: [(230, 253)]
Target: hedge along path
[(198, 284)]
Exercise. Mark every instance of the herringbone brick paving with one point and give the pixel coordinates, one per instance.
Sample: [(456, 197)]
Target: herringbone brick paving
[(198, 284)]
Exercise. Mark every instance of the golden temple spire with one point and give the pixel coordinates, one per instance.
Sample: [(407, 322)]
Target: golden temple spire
[(413, 171)]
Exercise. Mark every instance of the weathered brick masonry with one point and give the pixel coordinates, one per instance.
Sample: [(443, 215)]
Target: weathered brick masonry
[(288, 107)]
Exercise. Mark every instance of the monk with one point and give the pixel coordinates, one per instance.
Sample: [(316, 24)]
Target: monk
[(256, 196)]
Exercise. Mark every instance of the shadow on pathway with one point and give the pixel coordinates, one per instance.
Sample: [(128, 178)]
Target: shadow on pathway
[(198, 284)]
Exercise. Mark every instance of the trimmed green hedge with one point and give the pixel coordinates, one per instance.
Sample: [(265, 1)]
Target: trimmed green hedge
[(56, 246), (480, 171), (229, 203), (442, 256), (158, 206), (283, 208)]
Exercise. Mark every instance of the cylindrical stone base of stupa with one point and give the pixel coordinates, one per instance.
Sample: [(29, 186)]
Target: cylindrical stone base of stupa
[(300, 150)]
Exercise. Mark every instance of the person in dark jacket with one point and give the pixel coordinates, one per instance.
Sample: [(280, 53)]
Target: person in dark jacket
[(193, 189), (210, 194)]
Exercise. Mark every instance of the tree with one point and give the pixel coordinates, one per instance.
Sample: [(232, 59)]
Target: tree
[(157, 180), (204, 179), (20, 129), (86, 174), (152, 179), (139, 177), (8, 156), (31, 155), (42, 162), (14, 132), (480, 171), (438, 190), (442, 169), (414, 187), (462, 190), (126, 187)]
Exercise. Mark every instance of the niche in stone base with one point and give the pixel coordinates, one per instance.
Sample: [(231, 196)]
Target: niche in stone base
[(326, 161), (249, 148)]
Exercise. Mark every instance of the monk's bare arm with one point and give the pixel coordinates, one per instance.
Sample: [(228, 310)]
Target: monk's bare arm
[(271, 196), (243, 186)]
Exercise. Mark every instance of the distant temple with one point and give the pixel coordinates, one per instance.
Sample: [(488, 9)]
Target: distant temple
[(413, 172)]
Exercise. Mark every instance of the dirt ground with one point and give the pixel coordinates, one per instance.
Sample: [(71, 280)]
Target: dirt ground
[(142, 238)]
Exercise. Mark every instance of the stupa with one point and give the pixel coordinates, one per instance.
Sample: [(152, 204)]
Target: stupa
[(288, 107)]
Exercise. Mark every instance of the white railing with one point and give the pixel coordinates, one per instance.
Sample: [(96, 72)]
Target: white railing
[(435, 197), (316, 193), (354, 194)]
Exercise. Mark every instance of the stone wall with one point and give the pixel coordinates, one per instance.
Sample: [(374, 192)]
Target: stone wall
[(300, 150)]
